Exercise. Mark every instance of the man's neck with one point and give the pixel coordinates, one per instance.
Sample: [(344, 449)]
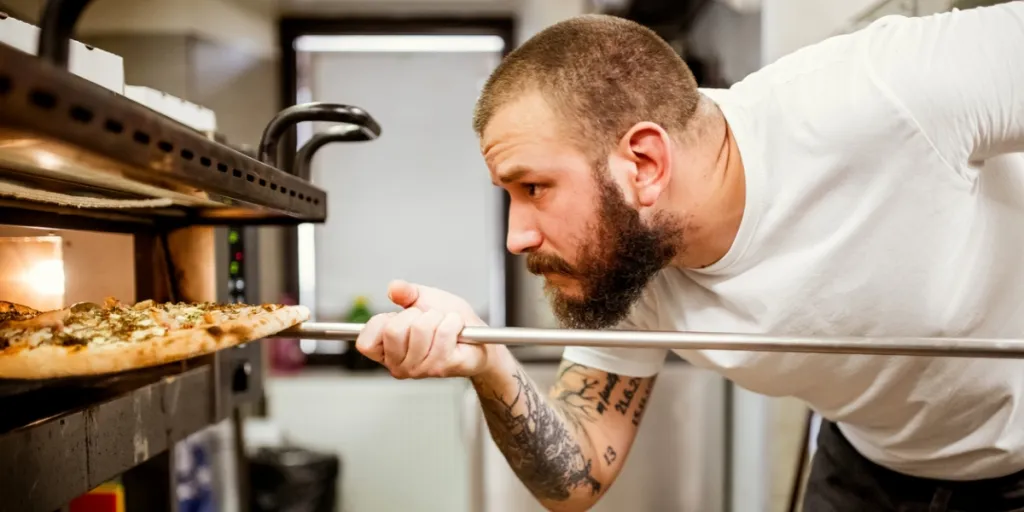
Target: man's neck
[(712, 224)]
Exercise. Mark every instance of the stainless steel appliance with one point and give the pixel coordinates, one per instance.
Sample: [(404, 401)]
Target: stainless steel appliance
[(124, 200)]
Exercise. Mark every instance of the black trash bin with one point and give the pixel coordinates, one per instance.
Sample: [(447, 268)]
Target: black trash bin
[(293, 480)]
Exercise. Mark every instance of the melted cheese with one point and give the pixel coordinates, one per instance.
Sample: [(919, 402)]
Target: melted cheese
[(119, 323)]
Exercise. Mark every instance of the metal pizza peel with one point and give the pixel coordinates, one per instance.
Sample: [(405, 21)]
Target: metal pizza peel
[(878, 345)]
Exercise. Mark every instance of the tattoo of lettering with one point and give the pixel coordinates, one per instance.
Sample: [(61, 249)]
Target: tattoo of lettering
[(638, 414), (536, 441), (627, 396), (609, 455), (606, 393)]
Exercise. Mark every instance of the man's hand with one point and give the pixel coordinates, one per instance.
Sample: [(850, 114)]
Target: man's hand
[(422, 341)]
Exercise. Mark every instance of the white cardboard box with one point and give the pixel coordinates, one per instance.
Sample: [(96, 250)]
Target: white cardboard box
[(93, 64), (189, 114)]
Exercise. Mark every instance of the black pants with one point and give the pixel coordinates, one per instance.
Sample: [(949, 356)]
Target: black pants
[(842, 480)]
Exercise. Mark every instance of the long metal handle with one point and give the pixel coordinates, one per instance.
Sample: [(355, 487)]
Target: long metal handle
[(316, 111), (938, 347), (340, 133)]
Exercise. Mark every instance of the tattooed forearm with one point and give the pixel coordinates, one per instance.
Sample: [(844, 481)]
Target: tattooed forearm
[(575, 394), (627, 396), (535, 436), (610, 455), (568, 446), (606, 393), (638, 414), (568, 368)]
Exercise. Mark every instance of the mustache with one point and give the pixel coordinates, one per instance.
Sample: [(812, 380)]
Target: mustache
[(539, 263)]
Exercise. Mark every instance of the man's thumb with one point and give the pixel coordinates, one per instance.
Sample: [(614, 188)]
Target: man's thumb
[(403, 294)]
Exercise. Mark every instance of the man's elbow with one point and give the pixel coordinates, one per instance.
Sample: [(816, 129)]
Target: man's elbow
[(578, 501), (574, 505)]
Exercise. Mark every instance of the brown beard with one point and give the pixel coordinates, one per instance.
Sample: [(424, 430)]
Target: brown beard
[(614, 266)]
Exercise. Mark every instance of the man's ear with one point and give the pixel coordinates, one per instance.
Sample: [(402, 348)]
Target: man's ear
[(649, 148)]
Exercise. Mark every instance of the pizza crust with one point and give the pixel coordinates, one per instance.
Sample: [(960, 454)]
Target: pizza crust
[(50, 361), (10, 310)]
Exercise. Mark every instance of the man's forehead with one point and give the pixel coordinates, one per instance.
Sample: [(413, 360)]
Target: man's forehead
[(526, 115)]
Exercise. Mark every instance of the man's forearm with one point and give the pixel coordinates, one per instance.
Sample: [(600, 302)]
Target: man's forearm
[(544, 440)]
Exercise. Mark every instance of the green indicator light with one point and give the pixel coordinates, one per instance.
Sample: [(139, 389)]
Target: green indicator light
[(233, 237), (234, 267)]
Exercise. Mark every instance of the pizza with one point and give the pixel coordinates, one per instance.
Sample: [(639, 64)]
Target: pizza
[(92, 339)]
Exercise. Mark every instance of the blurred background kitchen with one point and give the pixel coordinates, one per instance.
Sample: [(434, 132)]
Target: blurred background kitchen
[(417, 204)]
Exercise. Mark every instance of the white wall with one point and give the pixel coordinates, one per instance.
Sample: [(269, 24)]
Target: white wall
[(788, 25), (417, 203)]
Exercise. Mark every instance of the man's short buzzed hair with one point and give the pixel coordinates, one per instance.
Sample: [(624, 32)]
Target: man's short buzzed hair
[(602, 74)]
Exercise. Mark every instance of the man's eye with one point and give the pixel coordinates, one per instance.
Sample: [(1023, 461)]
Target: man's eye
[(531, 189)]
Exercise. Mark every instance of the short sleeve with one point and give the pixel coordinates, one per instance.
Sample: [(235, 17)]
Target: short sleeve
[(631, 362), (958, 75)]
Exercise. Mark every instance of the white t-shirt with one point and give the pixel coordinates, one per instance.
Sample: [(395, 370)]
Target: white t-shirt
[(883, 199)]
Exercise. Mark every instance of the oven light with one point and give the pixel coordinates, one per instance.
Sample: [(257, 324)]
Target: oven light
[(48, 160), (46, 277)]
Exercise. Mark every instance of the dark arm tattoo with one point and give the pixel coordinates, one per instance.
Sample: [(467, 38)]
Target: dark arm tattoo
[(547, 440), (606, 393), (641, 405), (534, 437), (577, 399), (610, 455), (627, 395)]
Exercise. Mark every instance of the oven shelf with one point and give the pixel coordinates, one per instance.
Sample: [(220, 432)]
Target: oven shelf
[(71, 148), (66, 438)]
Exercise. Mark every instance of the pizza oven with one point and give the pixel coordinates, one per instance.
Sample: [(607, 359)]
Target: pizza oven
[(110, 191)]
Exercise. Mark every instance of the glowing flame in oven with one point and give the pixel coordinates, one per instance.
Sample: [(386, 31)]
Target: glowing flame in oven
[(46, 277)]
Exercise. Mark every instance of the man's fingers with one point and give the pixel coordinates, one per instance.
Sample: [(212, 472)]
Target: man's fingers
[(426, 298), (446, 336), (396, 337), (370, 341), (403, 294), (421, 339)]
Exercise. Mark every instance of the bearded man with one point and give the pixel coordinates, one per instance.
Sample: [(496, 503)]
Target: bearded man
[(868, 185)]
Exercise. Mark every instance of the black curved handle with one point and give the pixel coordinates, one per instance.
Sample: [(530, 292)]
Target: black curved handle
[(340, 133), (56, 25), (317, 111)]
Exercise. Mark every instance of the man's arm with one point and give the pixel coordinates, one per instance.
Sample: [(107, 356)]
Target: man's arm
[(569, 446), (959, 76)]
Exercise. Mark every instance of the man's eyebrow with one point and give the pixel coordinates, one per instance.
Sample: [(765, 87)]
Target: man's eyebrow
[(513, 175)]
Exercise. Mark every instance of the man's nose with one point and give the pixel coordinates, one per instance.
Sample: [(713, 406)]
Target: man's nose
[(521, 237)]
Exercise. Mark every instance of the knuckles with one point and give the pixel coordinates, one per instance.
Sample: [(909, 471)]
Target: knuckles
[(426, 325), (394, 332), (408, 328)]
